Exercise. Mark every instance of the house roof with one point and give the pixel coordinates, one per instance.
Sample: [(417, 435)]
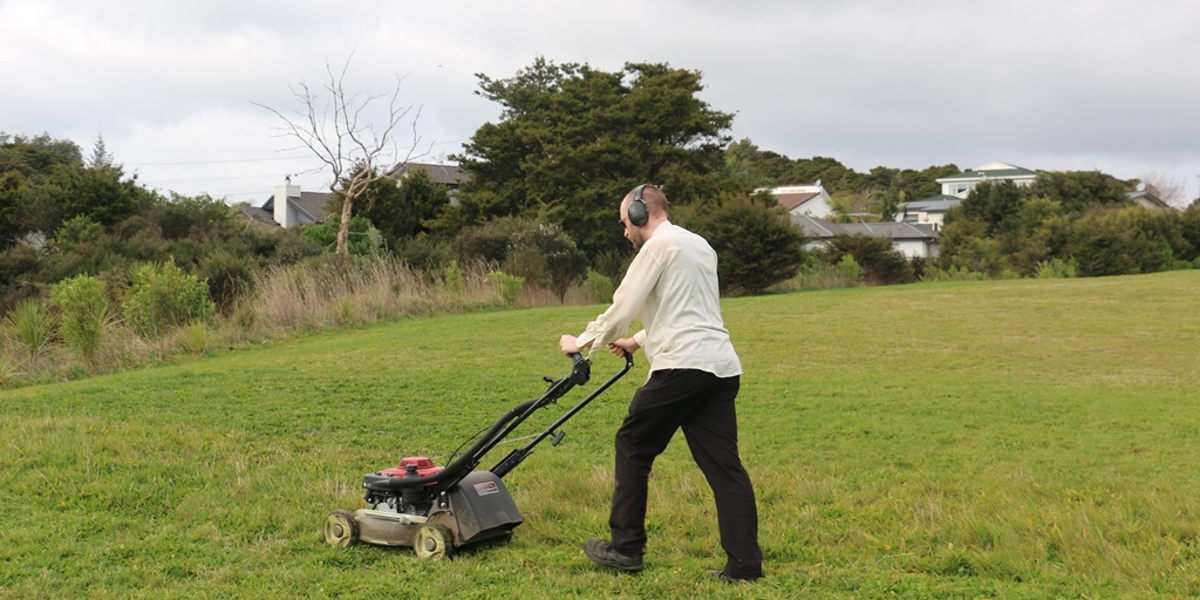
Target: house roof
[(260, 218), (312, 204), (938, 203), (822, 229), (451, 175), (791, 201), (992, 170), (1148, 196), (895, 231)]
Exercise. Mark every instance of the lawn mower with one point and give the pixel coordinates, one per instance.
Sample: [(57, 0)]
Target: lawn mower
[(435, 509)]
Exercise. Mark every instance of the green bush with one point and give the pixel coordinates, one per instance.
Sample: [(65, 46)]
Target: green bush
[(75, 231), (363, 238), (548, 256), (423, 252), (84, 314), (491, 241), (849, 268), (757, 245), (598, 287), (163, 297), (1056, 268), (229, 277), (881, 264), (508, 286), (453, 279), (31, 325)]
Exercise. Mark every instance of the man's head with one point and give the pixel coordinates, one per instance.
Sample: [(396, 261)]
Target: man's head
[(656, 212)]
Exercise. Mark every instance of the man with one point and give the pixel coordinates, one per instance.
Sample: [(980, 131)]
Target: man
[(694, 378)]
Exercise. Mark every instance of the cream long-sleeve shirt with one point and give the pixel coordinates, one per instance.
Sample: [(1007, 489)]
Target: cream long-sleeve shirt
[(672, 286)]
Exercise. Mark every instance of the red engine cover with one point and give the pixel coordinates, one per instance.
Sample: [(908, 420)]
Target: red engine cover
[(425, 467)]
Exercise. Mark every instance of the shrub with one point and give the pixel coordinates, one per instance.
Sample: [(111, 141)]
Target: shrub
[(423, 252), (1056, 268), (491, 241), (454, 278), (84, 314), (31, 325), (881, 264), (75, 231), (508, 286), (195, 337), (548, 256), (849, 268), (363, 237), (598, 287), (757, 245), (164, 297), (228, 276)]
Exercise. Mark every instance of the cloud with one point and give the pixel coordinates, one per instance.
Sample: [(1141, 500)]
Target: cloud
[(1050, 85)]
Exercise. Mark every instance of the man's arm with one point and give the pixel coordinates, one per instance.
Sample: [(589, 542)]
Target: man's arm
[(628, 300)]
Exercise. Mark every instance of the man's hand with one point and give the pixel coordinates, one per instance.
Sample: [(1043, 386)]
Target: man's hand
[(569, 345), (623, 346)]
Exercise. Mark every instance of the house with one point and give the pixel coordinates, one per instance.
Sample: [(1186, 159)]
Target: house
[(811, 200), (290, 207), (910, 239), (1146, 196), (930, 211), (961, 184), (451, 176)]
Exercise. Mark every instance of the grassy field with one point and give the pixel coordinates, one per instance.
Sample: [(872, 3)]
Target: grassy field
[(1009, 439)]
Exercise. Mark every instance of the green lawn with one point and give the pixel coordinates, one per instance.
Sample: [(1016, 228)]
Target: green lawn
[(1010, 439)]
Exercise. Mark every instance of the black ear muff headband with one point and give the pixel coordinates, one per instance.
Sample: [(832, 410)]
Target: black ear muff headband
[(637, 213)]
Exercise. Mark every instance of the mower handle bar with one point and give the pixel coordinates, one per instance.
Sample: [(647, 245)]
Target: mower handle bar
[(460, 468)]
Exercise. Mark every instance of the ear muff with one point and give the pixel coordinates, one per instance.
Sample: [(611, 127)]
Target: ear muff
[(637, 213)]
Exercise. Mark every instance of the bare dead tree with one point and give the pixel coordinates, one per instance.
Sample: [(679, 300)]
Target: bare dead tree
[(334, 125)]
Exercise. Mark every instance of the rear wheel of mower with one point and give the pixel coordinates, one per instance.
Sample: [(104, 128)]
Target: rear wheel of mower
[(433, 541), (340, 529)]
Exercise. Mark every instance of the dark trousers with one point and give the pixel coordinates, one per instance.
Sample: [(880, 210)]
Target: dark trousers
[(703, 405)]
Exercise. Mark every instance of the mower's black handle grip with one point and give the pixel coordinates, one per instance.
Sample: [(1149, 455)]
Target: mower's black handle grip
[(582, 370)]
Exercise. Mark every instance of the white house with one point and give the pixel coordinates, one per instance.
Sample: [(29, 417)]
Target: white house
[(929, 211), (811, 200), (961, 184), (1145, 196)]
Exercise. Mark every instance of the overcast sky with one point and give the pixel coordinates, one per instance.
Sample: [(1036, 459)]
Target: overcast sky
[(1043, 84)]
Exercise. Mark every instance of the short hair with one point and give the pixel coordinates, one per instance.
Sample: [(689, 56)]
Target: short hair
[(656, 201)]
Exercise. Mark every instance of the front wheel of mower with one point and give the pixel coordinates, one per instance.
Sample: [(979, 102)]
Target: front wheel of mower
[(340, 529), (433, 541)]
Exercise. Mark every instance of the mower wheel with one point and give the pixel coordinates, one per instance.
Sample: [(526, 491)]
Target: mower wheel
[(340, 529), (433, 541)]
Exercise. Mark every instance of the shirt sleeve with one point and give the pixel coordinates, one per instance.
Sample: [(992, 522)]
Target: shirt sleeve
[(628, 301)]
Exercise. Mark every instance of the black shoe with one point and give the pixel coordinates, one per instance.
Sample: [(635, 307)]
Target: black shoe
[(602, 553), (727, 578)]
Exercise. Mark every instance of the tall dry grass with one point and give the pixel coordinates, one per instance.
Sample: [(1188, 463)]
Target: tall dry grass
[(340, 291), (325, 293)]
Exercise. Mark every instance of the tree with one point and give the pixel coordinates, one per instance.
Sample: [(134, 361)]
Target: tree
[(887, 202), (100, 157), (400, 209), (756, 244), (881, 264), (995, 203), (1079, 190), (37, 155), (332, 124), (572, 140)]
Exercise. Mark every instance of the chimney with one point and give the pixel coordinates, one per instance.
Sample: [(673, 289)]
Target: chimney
[(285, 215)]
